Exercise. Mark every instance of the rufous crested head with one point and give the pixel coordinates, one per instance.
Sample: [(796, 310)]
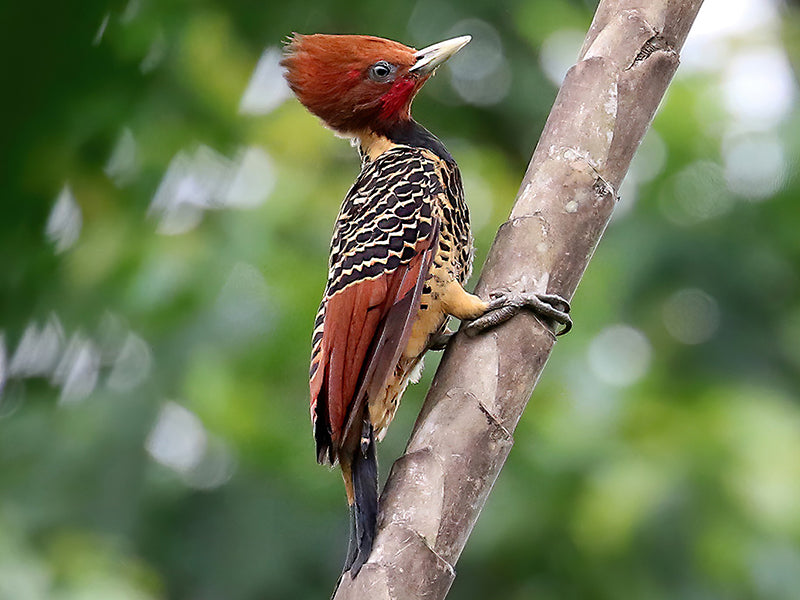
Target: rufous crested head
[(360, 83)]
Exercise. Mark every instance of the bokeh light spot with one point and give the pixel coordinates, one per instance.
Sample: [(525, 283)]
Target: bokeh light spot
[(559, 53), (206, 180), (755, 165), (691, 316), (178, 439), (78, 369), (267, 89), (759, 87), (132, 364), (719, 24), (428, 19), (155, 53), (123, 164), (480, 75), (696, 193), (3, 363), (65, 221), (101, 30), (38, 351), (243, 301), (252, 179), (214, 469), (619, 355)]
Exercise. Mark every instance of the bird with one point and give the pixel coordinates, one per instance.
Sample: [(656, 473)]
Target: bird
[(400, 254)]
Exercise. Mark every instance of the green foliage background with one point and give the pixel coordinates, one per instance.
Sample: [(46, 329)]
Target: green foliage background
[(649, 464)]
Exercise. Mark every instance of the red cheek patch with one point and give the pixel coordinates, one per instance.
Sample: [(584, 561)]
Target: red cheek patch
[(397, 98)]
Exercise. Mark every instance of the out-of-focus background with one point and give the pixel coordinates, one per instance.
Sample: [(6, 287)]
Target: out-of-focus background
[(166, 212)]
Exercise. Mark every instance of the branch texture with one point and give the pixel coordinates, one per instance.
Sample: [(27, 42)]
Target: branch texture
[(464, 432)]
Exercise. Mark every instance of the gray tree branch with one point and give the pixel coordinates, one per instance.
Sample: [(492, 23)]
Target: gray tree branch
[(464, 432)]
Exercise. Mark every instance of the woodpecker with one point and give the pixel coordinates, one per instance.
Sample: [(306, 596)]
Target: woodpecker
[(400, 256)]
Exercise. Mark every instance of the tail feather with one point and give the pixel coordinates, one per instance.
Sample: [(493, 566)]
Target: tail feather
[(352, 547), (365, 513)]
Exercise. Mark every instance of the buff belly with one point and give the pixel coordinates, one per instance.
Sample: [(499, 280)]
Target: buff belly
[(430, 320)]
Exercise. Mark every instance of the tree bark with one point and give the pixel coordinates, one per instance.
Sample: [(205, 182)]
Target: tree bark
[(464, 432)]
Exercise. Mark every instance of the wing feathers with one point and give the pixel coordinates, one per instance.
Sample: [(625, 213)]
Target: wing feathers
[(391, 338), (366, 328)]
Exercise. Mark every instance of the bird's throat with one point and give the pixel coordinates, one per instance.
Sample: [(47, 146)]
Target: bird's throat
[(373, 144)]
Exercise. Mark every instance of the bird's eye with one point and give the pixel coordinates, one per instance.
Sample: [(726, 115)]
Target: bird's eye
[(381, 71)]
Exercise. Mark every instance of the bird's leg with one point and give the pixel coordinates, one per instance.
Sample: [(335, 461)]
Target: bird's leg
[(504, 305), (480, 315)]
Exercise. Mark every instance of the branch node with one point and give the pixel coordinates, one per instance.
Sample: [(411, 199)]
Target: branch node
[(494, 420), (603, 189), (654, 44)]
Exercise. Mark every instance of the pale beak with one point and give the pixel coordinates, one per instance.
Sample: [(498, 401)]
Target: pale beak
[(431, 57)]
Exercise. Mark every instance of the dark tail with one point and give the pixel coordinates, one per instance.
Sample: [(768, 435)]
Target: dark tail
[(364, 515)]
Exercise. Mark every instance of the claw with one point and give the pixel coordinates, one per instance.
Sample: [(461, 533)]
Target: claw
[(504, 305), (500, 293)]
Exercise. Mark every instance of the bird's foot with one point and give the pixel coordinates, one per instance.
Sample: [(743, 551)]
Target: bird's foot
[(504, 305)]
